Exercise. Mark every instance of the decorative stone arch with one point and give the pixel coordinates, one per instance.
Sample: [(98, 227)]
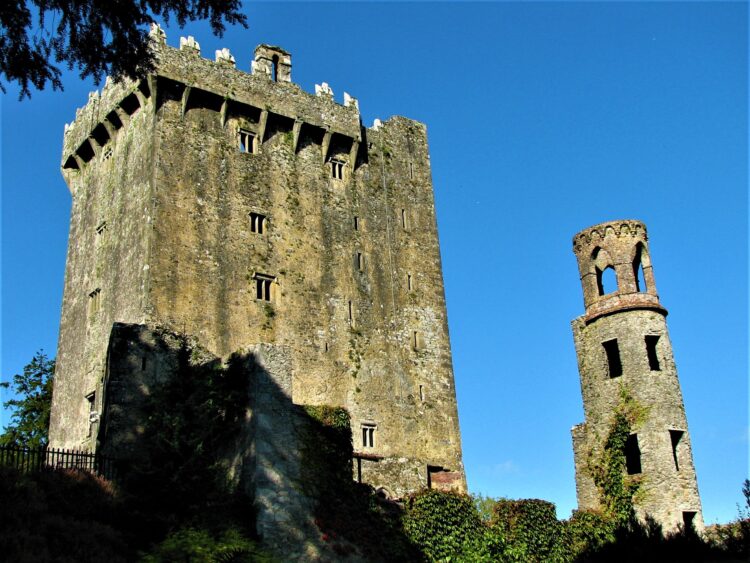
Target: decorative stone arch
[(602, 263), (641, 262)]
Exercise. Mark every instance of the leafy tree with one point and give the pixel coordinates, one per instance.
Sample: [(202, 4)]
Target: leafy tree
[(30, 419), (96, 37)]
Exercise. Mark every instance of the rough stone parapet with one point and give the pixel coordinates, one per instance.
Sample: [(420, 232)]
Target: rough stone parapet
[(221, 79)]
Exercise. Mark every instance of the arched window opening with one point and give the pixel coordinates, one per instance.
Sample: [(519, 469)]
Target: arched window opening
[(275, 68), (606, 280), (640, 280)]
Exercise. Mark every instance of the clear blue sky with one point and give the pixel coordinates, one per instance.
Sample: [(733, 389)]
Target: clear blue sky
[(543, 119)]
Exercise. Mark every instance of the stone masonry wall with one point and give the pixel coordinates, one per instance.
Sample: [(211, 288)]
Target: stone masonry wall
[(349, 247)]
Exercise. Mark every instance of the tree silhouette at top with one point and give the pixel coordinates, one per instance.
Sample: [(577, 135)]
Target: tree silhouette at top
[(96, 37)]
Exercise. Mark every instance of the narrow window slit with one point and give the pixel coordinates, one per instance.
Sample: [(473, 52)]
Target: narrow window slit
[(337, 169), (368, 435), (632, 455), (688, 517), (257, 223), (614, 365), (676, 437), (246, 141), (263, 287), (95, 301), (653, 358)]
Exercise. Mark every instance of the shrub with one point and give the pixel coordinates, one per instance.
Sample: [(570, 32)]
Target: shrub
[(530, 529), (443, 524)]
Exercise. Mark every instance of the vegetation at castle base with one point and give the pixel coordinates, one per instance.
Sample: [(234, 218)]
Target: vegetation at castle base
[(449, 527), (176, 500), (445, 527), (98, 38), (61, 515), (31, 408), (441, 523)]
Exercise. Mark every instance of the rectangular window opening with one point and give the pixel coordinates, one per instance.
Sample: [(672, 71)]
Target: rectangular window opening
[(404, 222), (257, 223), (409, 285), (416, 340), (94, 301), (360, 261), (351, 313), (676, 438), (688, 516), (368, 435), (632, 455), (246, 141), (93, 415), (143, 363), (653, 358), (614, 365), (356, 223), (421, 393), (263, 287), (337, 169), (411, 170)]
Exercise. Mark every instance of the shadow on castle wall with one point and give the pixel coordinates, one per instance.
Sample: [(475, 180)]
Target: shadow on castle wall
[(205, 441)]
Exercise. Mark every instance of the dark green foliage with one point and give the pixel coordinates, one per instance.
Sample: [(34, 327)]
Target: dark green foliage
[(617, 489), (442, 524), (529, 528), (96, 37), (199, 546), (587, 531), (62, 516), (30, 418)]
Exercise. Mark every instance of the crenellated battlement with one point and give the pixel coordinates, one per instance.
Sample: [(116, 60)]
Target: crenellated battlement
[(267, 90), (622, 228)]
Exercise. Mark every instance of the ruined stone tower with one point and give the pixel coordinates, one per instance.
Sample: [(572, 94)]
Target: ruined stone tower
[(248, 214), (623, 347)]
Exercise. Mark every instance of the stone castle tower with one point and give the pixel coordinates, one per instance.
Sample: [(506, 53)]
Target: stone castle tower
[(622, 344), (239, 210)]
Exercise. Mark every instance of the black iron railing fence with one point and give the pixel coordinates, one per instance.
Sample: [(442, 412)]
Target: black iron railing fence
[(37, 459)]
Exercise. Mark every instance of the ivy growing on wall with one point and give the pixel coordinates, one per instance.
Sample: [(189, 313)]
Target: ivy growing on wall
[(608, 466)]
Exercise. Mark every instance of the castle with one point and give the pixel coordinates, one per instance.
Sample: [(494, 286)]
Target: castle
[(624, 353), (257, 219), (249, 215)]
